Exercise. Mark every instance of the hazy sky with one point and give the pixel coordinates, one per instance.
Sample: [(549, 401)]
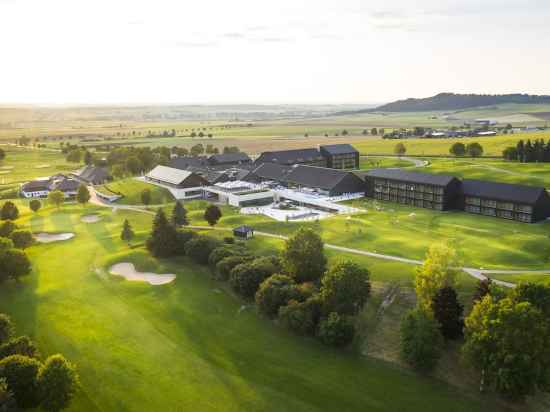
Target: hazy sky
[(280, 51)]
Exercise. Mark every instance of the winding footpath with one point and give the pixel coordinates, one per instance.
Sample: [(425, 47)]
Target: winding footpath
[(480, 274)]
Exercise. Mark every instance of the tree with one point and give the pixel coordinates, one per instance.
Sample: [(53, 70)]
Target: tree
[(2, 154), (336, 330), (212, 214), (440, 269), (83, 194), (226, 265), (35, 205), (6, 328), (163, 239), (20, 373), (458, 149), (74, 156), (303, 256), (199, 248), (345, 288), (421, 341), (22, 345), (508, 342), (7, 228), (448, 312), (58, 383), (14, 263), (56, 197), (88, 158), (374, 131), (245, 279), (134, 165), (22, 239), (226, 250), (179, 215), (127, 233), (274, 292), (7, 401), (474, 149), (301, 317), (9, 211), (483, 288), (400, 149), (146, 197), (510, 153)]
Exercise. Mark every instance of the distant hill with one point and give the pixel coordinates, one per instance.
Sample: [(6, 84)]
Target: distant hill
[(452, 101)]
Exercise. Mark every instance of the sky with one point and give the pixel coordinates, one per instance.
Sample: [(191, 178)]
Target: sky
[(280, 51)]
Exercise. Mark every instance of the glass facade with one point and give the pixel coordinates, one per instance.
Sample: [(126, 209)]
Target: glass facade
[(414, 194), (505, 210)]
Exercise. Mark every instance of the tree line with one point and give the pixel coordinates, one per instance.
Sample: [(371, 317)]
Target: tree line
[(537, 151)]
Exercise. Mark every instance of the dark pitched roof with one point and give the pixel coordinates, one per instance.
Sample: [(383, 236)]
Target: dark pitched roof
[(36, 185), (272, 171), (243, 229), (314, 176), (92, 174), (212, 176), (183, 162), (228, 158), (502, 191), (411, 177), (66, 185), (335, 149), (290, 156)]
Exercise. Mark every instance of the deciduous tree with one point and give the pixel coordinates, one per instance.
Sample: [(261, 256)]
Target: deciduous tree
[(35, 205), (274, 292), (448, 312), (56, 197), (58, 382), (9, 211), (179, 215), (421, 340), (83, 194), (303, 256), (212, 214)]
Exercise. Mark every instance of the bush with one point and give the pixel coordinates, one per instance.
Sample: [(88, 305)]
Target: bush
[(224, 251), (7, 401), (21, 372), (212, 214), (229, 240), (274, 292), (303, 256), (14, 263), (448, 312), (5, 244), (22, 345), (246, 278), (345, 288), (182, 237), (6, 328), (35, 205), (22, 239), (421, 340), (58, 382), (226, 265), (301, 317), (9, 211), (336, 330), (200, 247), (7, 228)]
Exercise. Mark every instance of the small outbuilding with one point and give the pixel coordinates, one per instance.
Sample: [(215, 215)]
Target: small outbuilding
[(243, 232)]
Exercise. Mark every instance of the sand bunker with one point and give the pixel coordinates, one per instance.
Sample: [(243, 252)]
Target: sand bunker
[(129, 272), (41, 166), (6, 167), (90, 218), (52, 237)]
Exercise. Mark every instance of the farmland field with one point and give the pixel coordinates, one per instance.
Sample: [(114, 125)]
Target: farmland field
[(139, 347)]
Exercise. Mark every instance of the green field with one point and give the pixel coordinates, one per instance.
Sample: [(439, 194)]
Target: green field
[(131, 189), (383, 162), (190, 345)]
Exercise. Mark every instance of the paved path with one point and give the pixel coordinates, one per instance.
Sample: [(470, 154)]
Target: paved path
[(480, 274)]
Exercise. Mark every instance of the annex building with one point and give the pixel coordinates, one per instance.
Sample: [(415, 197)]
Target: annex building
[(336, 156)]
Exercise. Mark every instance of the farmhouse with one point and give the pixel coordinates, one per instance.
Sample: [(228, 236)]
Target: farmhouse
[(518, 202), (36, 188), (425, 190), (43, 186), (176, 178), (340, 156), (92, 175), (293, 157)]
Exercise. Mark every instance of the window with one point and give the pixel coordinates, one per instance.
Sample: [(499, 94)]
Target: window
[(524, 208), (489, 203), (473, 200), (522, 217), (488, 211), (472, 209), (505, 214)]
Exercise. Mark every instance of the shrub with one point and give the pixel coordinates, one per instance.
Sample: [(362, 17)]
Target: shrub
[(22, 345), (35, 205), (448, 312), (9, 211), (5, 244), (224, 251), (245, 278), (6, 328), (274, 292), (7, 401), (14, 263), (421, 340), (7, 228), (58, 382), (301, 317), (182, 237), (336, 330), (200, 247), (212, 214), (229, 240), (345, 288), (21, 372), (226, 265), (22, 239)]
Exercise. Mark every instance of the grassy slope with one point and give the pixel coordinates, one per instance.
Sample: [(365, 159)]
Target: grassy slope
[(188, 344), (132, 188)]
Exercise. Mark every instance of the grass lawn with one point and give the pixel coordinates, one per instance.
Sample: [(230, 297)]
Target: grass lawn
[(188, 345), (131, 190), (408, 232), (383, 162)]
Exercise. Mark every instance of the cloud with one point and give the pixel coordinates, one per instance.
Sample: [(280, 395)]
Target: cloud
[(276, 39), (196, 44), (233, 35)]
